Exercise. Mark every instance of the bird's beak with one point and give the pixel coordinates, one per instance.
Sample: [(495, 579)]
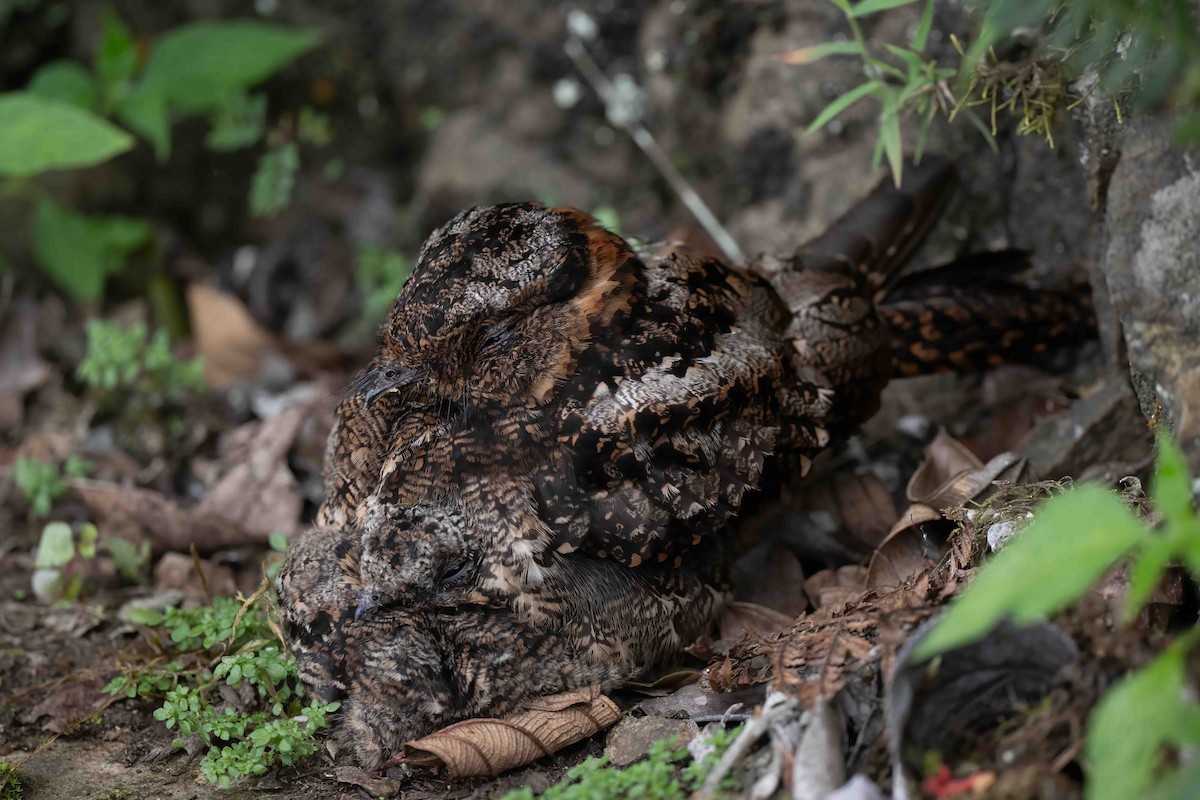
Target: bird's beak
[(379, 380), (366, 604)]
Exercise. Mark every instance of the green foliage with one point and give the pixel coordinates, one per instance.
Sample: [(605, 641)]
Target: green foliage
[(194, 67), (666, 773), (59, 122), (238, 122), (273, 181), (12, 785), (79, 252), (379, 274), (902, 80), (129, 369), (60, 554), (241, 741), (40, 482), (1073, 540), (41, 134), (1148, 50)]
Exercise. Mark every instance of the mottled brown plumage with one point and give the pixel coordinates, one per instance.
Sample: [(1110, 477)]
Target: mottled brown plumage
[(557, 433)]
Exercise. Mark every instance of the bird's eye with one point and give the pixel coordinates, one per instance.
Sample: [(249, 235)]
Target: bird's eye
[(497, 332), (390, 373), (455, 574)]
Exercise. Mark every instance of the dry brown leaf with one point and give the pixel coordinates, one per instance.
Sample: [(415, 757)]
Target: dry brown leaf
[(741, 618), (865, 506), (771, 577), (141, 514), (66, 705), (946, 459), (21, 368), (179, 571), (904, 552), (258, 491), (836, 587), (232, 343), (477, 747)]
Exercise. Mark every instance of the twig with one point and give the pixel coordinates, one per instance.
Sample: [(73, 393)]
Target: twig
[(603, 86)]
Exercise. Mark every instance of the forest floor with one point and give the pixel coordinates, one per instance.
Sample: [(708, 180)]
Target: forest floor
[(835, 576)]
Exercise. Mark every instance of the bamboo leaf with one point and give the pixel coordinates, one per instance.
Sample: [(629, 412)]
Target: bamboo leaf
[(841, 104)]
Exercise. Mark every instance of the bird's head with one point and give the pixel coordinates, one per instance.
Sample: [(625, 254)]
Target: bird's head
[(415, 557), (500, 302)]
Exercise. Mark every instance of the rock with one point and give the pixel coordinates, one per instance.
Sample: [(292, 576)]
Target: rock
[(632, 737), (1152, 268)]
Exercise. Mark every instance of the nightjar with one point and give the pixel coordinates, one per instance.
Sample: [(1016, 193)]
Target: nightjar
[(559, 432)]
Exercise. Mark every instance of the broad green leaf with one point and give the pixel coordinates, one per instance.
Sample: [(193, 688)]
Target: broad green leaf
[(40, 134), (889, 132), (273, 181), (841, 104), (146, 113), (116, 58), (1071, 541), (56, 547), (120, 235), (66, 82), (807, 55), (921, 37), (238, 122), (195, 67), (1131, 724), (78, 252), (67, 250), (1171, 490), (1147, 570), (1184, 785), (875, 6)]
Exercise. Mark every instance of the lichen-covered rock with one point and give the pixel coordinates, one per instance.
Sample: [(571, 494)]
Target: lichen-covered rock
[(1152, 268)]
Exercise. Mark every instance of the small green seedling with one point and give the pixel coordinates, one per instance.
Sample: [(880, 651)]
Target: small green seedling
[(276, 728)]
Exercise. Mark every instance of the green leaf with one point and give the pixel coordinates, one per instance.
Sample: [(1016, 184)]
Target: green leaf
[(40, 134), (238, 122), (145, 112), (807, 55), (911, 60), (77, 252), (889, 132), (1171, 489), (66, 82), (87, 540), (116, 59), (1146, 572), (1131, 724), (1071, 541), (921, 37), (195, 67), (841, 104), (67, 250), (273, 181), (874, 6), (56, 547)]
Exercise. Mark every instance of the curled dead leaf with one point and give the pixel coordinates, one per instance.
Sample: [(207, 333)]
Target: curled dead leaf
[(836, 587), (141, 514), (232, 343), (741, 618), (490, 746), (905, 551), (257, 490)]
